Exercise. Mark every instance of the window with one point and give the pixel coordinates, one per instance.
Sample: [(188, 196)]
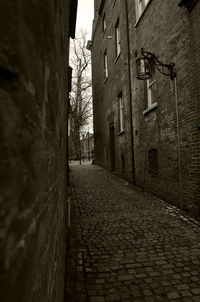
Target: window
[(140, 7), (104, 23), (117, 39), (120, 113), (105, 65), (153, 161), (151, 87)]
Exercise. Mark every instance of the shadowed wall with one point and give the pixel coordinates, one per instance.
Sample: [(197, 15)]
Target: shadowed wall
[(34, 48)]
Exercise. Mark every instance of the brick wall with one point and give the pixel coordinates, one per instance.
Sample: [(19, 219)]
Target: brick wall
[(192, 184), (171, 128), (170, 32), (105, 92), (33, 68)]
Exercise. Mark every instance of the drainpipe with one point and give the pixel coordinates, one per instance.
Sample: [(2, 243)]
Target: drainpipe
[(69, 212), (178, 144), (130, 92)]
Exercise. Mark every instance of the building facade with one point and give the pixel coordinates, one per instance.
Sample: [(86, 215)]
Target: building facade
[(34, 50), (111, 89), (162, 119)]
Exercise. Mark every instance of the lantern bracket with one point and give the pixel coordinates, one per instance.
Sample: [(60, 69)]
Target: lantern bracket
[(163, 68)]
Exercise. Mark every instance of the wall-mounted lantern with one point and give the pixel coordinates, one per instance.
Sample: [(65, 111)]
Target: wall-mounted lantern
[(189, 4), (142, 68), (146, 60)]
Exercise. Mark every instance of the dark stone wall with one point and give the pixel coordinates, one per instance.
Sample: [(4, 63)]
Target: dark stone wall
[(33, 93)]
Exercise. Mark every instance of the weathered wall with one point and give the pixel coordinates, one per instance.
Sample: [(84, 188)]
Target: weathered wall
[(170, 32), (105, 92), (33, 83)]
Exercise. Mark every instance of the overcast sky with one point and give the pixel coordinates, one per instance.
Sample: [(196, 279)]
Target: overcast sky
[(84, 20), (85, 16)]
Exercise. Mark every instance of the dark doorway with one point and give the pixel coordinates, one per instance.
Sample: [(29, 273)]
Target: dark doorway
[(112, 147)]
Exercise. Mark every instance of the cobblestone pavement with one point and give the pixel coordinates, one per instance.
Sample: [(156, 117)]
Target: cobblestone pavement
[(131, 245)]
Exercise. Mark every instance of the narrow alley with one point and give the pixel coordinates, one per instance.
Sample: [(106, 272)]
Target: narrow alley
[(130, 246)]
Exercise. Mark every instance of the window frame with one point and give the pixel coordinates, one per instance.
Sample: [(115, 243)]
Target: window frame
[(105, 62), (140, 6), (150, 87), (120, 108), (150, 94), (117, 39), (104, 27)]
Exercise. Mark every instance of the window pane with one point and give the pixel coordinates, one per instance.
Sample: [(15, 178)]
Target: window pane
[(105, 65), (104, 23), (151, 86), (120, 113), (117, 39), (153, 93), (140, 6)]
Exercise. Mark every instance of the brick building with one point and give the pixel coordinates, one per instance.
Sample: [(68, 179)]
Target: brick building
[(160, 116), (34, 50), (111, 89)]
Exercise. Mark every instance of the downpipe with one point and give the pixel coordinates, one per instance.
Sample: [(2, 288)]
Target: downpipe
[(178, 144), (68, 212)]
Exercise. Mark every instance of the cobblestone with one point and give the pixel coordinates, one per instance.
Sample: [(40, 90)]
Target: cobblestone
[(173, 296), (131, 245)]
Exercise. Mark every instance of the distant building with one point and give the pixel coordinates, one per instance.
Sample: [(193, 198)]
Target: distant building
[(87, 146), (149, 131)]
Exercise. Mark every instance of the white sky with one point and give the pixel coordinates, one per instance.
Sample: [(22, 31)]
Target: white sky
[(85, 16)]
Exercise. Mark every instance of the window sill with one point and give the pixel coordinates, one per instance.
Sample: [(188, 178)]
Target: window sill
[(153, 106), (116, 59), (120, 132), (140, 17), (105, 80)]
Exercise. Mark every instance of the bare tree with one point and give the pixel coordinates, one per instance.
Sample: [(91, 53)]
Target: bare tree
[(81, 96)]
